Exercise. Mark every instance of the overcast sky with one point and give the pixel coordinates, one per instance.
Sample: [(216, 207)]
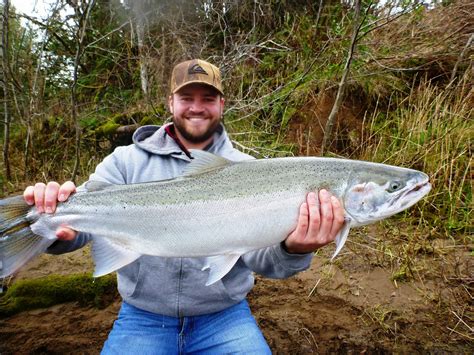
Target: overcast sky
[(32, 7)]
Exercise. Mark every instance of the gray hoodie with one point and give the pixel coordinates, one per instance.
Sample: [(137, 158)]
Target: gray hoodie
[(176, 286)]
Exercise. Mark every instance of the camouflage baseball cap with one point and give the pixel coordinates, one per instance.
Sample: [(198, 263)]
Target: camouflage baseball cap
[(195, 71)]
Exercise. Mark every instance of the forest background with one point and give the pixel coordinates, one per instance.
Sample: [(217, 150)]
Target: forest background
[(389, 82)]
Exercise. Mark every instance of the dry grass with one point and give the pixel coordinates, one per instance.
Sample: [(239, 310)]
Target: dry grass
[(430, 130)]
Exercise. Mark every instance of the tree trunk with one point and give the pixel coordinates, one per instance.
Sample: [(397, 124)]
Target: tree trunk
[(141, 52), (342, 84), (5, 86), (81, 31), (138, 7), (34, 100)]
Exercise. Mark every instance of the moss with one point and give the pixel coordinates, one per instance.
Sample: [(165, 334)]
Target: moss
[(119, 118), (107, 129), (149, 120), (136, 116), (55, 289)]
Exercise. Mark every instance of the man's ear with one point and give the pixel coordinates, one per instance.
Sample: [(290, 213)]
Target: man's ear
[(170, 103), (222, 103)]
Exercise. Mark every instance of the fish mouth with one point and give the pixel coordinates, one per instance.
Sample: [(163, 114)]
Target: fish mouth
[(410, 196)]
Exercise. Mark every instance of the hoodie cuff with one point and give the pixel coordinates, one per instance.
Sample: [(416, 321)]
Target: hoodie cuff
[(290, 261), (61, 247)]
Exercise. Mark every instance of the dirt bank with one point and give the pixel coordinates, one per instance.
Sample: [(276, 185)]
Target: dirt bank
[(351, 306)]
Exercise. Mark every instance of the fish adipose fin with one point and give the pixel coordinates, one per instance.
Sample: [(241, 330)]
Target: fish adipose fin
[(219, 266), (204, 162), (109, 257), (18, 244), (342, 236)]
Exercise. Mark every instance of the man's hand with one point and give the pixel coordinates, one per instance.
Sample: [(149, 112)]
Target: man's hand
[(318, 224), (45, 198)]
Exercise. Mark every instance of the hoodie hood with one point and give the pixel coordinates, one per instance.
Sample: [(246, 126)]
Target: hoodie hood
[(155, 140)]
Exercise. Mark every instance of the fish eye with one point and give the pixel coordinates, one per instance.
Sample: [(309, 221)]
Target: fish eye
[(394, 186)]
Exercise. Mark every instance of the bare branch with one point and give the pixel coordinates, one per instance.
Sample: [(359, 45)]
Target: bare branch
[(81, 31), (340, 92), (5, 46), (460, 58), (48, 27)]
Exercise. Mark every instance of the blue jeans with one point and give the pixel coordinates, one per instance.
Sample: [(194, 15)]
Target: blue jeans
[(230, 331)]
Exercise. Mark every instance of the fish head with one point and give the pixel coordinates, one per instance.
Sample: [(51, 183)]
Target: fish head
[(382, 192)]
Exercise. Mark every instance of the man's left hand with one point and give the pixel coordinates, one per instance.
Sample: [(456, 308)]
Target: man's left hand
[(318, 223)]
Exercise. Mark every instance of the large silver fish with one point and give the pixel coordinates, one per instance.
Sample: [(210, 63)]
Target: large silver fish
[(218, 209)]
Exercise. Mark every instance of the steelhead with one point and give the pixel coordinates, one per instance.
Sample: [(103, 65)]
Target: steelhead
[(218, 209)]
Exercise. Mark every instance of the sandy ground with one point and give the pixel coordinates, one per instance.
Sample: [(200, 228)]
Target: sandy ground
[(350, 306)]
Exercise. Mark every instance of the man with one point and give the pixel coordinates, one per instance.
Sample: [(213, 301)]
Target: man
[(167, 309)]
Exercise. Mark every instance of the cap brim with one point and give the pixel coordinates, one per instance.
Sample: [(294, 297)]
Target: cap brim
[(196, 82)]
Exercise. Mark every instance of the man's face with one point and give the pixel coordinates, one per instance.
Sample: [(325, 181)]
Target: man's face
[(197, 111)]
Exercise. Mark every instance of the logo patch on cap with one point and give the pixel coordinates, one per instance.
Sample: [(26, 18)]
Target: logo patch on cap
[(196, 69)]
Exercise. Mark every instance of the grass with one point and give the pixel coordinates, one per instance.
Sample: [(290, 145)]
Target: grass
[(382, 318), (47, 291), (430, 130)]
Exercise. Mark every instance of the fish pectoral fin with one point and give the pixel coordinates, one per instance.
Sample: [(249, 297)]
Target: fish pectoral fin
[(109, 257), (219, 266), (342, 236), (204, 162)]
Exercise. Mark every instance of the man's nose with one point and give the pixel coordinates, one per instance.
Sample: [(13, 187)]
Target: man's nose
[(196, 106)]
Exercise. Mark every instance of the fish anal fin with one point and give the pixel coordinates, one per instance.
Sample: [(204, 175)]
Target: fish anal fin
[(109, 256), (342, 236), (204, 162), (219, 266)]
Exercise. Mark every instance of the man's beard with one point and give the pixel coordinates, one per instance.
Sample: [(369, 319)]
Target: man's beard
[(197, 138)]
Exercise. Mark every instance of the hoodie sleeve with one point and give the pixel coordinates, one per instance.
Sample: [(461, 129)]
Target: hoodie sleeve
[(276, 262), (109, 170)]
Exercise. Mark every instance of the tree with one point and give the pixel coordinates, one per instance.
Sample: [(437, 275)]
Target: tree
[(342, 83), (5, 86), (82, 12)]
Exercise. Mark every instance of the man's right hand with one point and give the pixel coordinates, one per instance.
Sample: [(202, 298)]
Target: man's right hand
[(45, 198)]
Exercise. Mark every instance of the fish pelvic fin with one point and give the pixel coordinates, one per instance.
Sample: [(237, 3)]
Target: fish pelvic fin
[(18, 243), (110, 256), (342, 236), (219, 266)]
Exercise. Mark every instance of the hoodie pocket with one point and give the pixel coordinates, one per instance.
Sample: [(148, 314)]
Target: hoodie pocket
[(128, 278), (155, 278)]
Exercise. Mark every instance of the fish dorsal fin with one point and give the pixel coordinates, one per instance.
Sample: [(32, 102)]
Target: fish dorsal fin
[(219, 266), (109, 256), (204, 162), (94, 185)]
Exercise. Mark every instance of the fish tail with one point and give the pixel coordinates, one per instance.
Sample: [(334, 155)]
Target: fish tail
[(18, 243)]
